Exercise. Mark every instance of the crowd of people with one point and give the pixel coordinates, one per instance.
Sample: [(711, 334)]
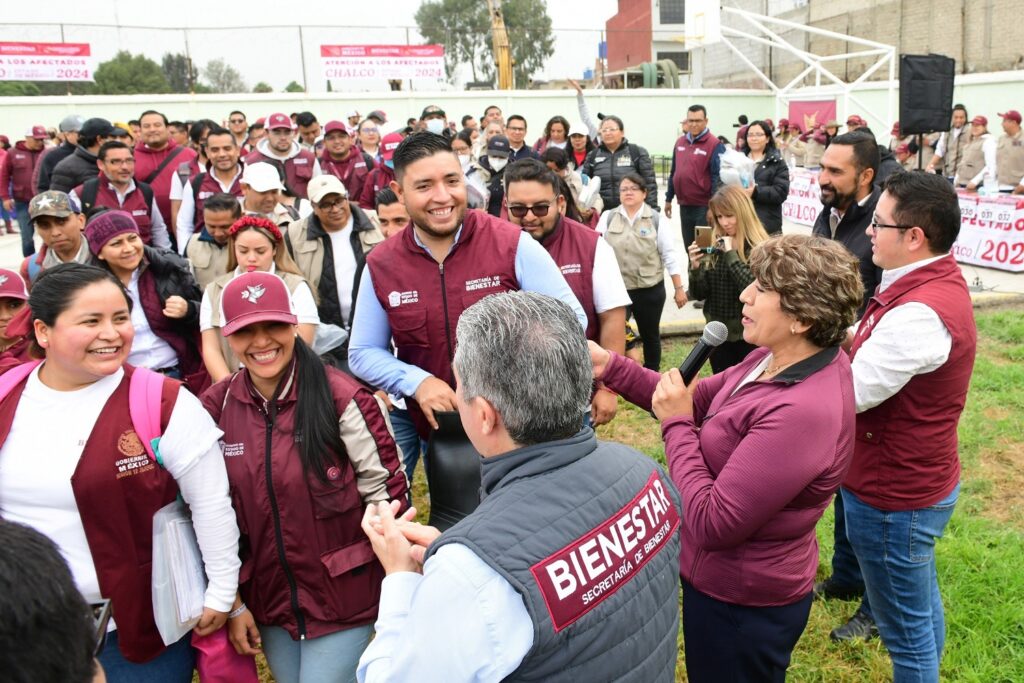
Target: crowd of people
[(311, 299)]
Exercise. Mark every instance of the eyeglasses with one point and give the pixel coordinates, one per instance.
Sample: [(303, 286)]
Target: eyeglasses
[(120, 162), (876, 226), (236, 120), (538, 210), (516, 129), (369, 129), (331, 206), (628, 189)]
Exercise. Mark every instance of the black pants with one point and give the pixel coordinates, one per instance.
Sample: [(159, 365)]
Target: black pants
[(648, 302), (690, 216), (728, 354), (728, 643)]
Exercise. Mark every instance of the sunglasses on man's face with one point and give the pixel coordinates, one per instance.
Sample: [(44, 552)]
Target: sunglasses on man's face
[(520, 210)]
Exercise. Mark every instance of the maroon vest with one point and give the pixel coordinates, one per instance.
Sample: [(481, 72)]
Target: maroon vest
[(351, 172), (134, 203), (298, 170), (905, 454), (378, 178), (118, 489), (208, 186), (692, 179), (572, 245), (336, 575), (424, 299)]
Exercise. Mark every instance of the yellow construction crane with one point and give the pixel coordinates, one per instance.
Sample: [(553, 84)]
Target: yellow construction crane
[(502, 49)]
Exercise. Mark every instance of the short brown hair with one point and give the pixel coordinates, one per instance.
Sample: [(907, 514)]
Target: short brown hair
[(817, 280)]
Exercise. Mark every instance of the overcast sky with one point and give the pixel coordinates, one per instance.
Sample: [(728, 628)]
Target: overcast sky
[(273, 55)]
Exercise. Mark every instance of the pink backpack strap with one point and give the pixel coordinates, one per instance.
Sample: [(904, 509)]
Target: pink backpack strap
[(15, 376), (144, 394)]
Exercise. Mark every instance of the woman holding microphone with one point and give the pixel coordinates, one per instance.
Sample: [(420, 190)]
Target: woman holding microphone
[(757, 452)]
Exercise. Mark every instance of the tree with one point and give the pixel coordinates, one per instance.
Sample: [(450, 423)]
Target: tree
[(126, 74), (223, 78), (262, 87), (294, 87), (18, 89), (464, 28), (179, 71)]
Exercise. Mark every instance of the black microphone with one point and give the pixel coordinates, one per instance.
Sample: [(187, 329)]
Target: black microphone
[(715, 333)]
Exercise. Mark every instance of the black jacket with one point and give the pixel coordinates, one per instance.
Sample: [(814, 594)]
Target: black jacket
[(771, 177), (74, 170), (887, 165), (329, 307), (611, 167), (852, 233), (50, 161)]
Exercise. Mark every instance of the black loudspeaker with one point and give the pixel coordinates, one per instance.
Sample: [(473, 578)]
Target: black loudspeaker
[(926, 93)]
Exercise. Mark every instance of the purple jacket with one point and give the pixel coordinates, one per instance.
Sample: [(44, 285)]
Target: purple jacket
[(757, 473)]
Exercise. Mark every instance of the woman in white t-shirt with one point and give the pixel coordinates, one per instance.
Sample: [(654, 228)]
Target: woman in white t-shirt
[(254, 244), (89, 485)]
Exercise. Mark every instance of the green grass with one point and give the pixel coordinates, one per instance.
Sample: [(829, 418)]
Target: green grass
[(981, 557)]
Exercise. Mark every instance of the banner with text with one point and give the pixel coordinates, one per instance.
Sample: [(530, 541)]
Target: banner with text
[(991, 227), (811, 113), (346, 62), (804, 202), (991, 232), (46, 62)]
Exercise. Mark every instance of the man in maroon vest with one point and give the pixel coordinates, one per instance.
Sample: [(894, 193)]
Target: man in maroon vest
[(223, 174), (297, 166), (536, 204), (912, 356), (343, 159), (16, 169), (694, 175), (157, 158), (114, 188), (417, 284)]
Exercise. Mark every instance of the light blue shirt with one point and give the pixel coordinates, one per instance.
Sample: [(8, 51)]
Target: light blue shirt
[(458, 621), (368, 354)]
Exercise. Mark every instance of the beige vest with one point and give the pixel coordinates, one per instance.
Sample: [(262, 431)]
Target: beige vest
[(813, 151), (954, 152), (973, 161), (216, 288), (1010, 159), (309, 254), (636, 248), (795, 151), (208, 260)]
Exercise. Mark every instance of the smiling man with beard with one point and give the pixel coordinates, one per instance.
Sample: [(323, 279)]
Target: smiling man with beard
[(848, 170), (416, 285)]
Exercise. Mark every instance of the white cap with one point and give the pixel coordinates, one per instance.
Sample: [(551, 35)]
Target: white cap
[(262, 177), (578, 129), (354, 112), (323, 185)]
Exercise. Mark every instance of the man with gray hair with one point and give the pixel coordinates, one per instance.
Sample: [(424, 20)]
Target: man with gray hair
[(569, 568)]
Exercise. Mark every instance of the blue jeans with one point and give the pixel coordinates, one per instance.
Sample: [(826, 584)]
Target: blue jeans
[(173, 665), (408, 440), (896, 552), (845, 570), (28, 246), (332, 658)]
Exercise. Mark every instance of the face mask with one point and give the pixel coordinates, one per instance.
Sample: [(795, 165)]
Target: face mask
[(497, 163), (435, 126), (390, 163), (465, 160)]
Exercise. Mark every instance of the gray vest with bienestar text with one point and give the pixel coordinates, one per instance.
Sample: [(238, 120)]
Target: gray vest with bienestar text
[(588, 534)]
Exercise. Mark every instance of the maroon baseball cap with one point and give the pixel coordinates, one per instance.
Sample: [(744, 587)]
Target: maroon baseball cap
[(1013, 115), (388, 145), (278, 120), (979, 121), (255, 297), (333, 126), (856, 120), (39, 132), (12, 286)]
